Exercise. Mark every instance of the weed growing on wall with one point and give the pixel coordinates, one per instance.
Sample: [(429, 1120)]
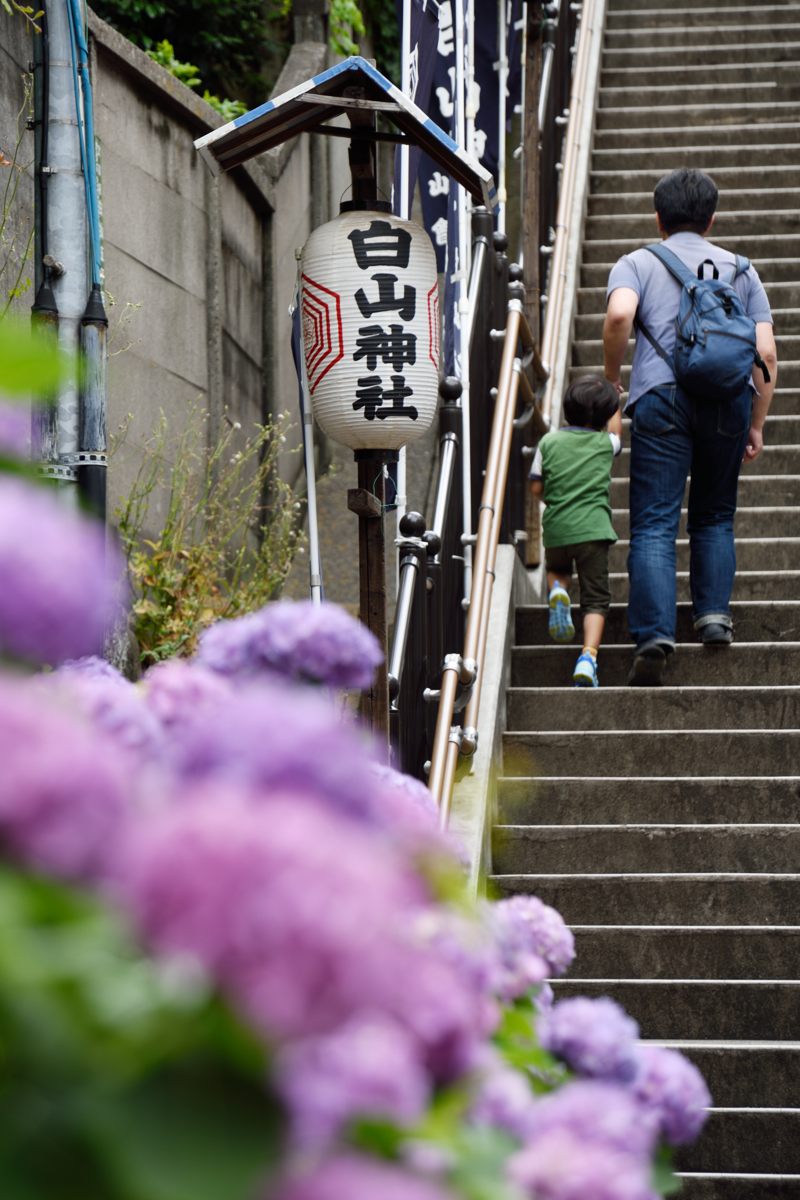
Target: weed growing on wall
[(15, 246), (225, 542)]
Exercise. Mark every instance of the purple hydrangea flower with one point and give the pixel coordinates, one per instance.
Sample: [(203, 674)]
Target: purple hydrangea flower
[(92, 667), (176, 690), (61, 584), (532, 943), (269, 737), (354, 1177), (504, 1100), (596, 1038), (15, 431), (368, 1068), (560, 1166), (112, 705), (305, 919), (592, 1111), (317, 643), (672, 1088), (64, 796)]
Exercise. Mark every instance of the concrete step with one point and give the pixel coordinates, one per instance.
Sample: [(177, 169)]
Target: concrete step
[(714, 145), (750, 522), (749, 585), (728, 225), (756, 489), (754, 621), (680, 899), (752, 554), (756, 44), (744, 664), (618, 849), (632, 18), (727, 179), (587, 709), (686, 752), (754, 246), (771, 270), (690, 114), (710, 1185), (689, 1009), (552, 799), (763, 199), (731, 30), (746, 1139), (692, 952), (647, 799), (712, 91), (773, 460), (642, 5), (764, 73), (741, 1074)]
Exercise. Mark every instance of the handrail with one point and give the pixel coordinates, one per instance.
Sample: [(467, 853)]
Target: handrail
[(437, 662), (467, 668), (560, 267)]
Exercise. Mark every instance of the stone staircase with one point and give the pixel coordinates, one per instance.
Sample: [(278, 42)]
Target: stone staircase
[(665, 823)]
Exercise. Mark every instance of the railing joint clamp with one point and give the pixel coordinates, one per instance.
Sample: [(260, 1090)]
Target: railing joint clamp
[(469, 741)]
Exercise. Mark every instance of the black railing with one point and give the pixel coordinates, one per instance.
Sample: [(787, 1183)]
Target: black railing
[(430, 613), (429, 616)]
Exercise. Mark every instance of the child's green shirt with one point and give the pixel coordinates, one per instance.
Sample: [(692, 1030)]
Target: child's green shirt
[(575, 467)]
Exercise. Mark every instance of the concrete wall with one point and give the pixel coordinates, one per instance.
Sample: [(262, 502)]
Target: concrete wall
[(199, 272), (15, 51)]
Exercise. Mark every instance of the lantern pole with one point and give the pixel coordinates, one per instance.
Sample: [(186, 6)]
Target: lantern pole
[(368, 500)]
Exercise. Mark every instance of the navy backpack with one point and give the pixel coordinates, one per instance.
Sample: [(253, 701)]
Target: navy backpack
[(715, 340)]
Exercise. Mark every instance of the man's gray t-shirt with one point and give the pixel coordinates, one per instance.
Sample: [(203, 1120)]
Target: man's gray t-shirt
[(659, 297)]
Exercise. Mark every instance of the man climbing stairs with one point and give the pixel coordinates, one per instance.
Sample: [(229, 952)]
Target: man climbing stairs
[(665, 823)]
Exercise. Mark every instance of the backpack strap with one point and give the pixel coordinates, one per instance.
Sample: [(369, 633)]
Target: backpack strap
[(677, 269)]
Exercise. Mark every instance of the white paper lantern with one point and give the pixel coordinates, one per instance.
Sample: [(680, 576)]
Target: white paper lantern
[(369, 301)]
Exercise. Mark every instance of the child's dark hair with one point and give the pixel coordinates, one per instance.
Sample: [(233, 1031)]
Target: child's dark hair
[(590, 402)]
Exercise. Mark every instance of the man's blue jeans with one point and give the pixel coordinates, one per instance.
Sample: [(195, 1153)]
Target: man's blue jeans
[(673, 436)]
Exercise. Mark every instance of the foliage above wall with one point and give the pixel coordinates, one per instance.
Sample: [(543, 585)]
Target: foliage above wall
[(236, 48)]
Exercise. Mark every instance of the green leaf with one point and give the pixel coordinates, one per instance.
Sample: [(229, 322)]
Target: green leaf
[(30, 361), (664, 1179)]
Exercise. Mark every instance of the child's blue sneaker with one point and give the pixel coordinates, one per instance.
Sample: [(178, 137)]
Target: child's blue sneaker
[(585, 673), (560, 625)]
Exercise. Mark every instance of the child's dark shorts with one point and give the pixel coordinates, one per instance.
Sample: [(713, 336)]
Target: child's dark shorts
[(591, 564)]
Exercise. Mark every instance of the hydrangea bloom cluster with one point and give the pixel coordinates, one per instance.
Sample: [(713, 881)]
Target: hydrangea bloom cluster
[(367, 1068), (65, 797), (607, 1113), (504, 1100), (560, 1166), (61, 584), (596, 1038), (303, 920), (353, 1177), (672, 1089), (112, 705), (317, 643), (532, 943), (249, 832)]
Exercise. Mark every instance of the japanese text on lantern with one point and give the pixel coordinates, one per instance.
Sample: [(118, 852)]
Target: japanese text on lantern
[(384, 345)]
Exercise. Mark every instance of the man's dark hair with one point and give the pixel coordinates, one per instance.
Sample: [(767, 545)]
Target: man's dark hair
[(590, 402), (685, 200)]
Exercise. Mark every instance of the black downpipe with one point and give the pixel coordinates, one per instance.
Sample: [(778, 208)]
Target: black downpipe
[(44, 311)]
